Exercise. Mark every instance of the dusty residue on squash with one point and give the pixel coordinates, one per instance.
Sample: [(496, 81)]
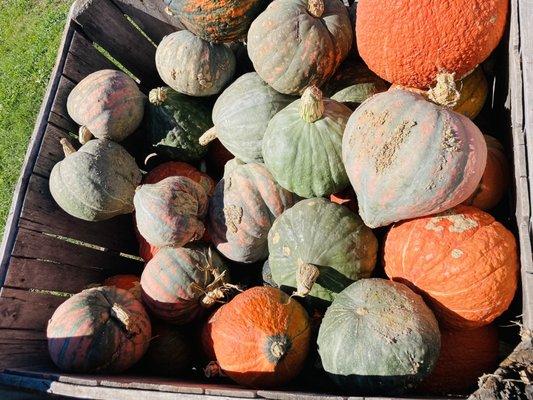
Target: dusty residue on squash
[(386, 155), (459, 222), (275, 238), (286, 251), (450, 141), (456, 253), (233, 216)]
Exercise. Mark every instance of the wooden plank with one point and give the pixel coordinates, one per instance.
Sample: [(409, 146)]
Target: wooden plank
[(50, 152), (100, 18), (41, 213), (59, 105), (63, 123)]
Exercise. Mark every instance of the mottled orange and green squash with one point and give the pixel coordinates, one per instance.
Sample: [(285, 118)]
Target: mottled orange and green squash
[(176, 168)]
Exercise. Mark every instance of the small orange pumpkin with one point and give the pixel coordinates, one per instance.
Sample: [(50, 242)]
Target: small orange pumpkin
[(260, 338), (131, 283), (463, 261)]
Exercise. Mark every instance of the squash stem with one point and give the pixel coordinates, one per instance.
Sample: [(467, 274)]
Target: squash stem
[(306, 277), (208, 136), (158, 96), (125, 318), (84, 134), (316, 8), (445, 92), (312, 104), (68, 148)]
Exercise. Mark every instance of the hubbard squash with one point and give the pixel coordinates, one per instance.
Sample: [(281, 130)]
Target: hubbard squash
[(100, 330), (462, 261), (297, 43), (378, 337), (407, 157)]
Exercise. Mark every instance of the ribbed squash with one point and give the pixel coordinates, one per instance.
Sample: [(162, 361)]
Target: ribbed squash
[(193, 66), (297, 43), (170, 213), (107, 104), (462, 261), (174, 122), (407, 157), (378, 337), (302, 145), (318, 248), (95, 183), (100, 330), (245, 203), (241, 115), (180, 283)]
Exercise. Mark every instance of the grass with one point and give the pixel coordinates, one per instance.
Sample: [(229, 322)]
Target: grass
[(30, 31)]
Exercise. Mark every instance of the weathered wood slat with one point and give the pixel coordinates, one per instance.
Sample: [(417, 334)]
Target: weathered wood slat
[(63, 123), (51, 151), (59, 105)]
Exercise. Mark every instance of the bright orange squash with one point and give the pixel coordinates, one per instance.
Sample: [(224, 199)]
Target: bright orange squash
[(462, 261)]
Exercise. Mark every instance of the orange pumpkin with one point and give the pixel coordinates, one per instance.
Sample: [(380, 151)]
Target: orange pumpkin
[(465, 355), (260, 338), (410, 45), (495, 179), (131, 283), (463, 261)]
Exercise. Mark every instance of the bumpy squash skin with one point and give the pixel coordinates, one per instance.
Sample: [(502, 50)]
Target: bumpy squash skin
[(241, 115), (85, 335), (407, 157), (291, 49), (193, 66), (170, 213), (97, 182), (108, 103), (217, 21), (410, 45), (327, 235), (462, 261), (241, 212), (378, 337)]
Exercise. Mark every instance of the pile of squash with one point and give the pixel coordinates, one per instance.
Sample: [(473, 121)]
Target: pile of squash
[(318, 151)]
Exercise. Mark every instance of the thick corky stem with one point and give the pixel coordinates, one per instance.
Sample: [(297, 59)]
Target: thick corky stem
[(312, 104), (278, 349), (212, 297), (316, 8), (158, 96), (306, 277), (208, 137), (84, 135), (68, 148), (445, 92), (124, 317)]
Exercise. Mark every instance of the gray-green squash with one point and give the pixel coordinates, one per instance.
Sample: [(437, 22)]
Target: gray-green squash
[(95, 183)]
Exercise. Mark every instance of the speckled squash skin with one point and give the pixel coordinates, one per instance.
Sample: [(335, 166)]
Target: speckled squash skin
[(410, 45), (97, 182), (241, 212), (326, 235), (100, 330), (292, 49), (192, 66), (302, 145), (217, 21), (260, 338), (170, 213), (178, 283), (462, 261), (407, 157), (378, 337), (241, 115), (108, 103)]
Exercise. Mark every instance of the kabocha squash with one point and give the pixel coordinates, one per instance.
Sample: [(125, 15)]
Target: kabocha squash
[(174, 123), (100, 330), (463, 261), (95, 183), (241, 115), (260, 338), (378, 337), (217, 21), (107, 104), (297, 43), (495, 179), (241, 212), (318, 248), (131, 283), (302, 145), (407, 157), (346, 198), (192, 66), (410, 45), (170, 213), (465, 356), (176, 168), (180, 283)]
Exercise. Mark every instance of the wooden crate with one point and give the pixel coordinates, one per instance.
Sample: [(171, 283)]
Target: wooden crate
[(45, 251)]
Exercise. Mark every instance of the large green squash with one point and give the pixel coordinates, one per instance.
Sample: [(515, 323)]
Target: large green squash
[(174, 122), (318, 248), (241, 212), (378, 337), (241, 115), (192, 66), (95, 183), (302, 145)]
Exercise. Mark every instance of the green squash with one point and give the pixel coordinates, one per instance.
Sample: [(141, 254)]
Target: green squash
[(174, 122), (95, 183), (303, 143), (378, 337), (241, 116), (318, 248)]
